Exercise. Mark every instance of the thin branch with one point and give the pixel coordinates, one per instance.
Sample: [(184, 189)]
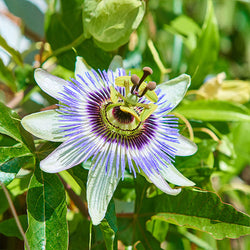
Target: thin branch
[(75, 198), (16, 100), (209, 132), (13, 210), (189, 127), (157, 59)]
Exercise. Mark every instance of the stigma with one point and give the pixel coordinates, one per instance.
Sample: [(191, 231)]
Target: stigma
[(130, 105)]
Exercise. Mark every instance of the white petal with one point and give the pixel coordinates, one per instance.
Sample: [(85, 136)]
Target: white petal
[(50, 84), (81, 67), (64, 157), (100, 189), (171, 174), (159, 182), (185, 147), (44, 125), (175, 89)]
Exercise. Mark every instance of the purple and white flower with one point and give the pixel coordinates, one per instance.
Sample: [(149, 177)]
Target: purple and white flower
[(119, 122)]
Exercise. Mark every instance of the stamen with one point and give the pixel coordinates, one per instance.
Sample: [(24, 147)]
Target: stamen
[(135, 80), (146, 72), (150, 86)]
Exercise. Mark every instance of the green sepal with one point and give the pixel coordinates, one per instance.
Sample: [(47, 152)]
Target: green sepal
[(147, 112)]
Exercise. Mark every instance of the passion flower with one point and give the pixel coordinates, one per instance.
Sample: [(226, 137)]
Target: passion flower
[(120, 123)]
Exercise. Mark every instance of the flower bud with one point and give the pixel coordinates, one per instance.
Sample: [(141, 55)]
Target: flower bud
[(111, 22)]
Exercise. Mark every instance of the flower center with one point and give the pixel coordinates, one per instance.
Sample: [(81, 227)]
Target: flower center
[(124, 113), (121, 116)]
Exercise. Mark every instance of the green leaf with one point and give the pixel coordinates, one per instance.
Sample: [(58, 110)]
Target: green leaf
[(205, 55), (9, 123), (80, 175), (47, 209), (6, 76), (241, 140), (14, 53), (158, 229), (13, 157), (208, 110), (185, 27), (199, 210), (9, 169), (4, 202), (199, 167), (19, 185), (79, 233), (9, 227)]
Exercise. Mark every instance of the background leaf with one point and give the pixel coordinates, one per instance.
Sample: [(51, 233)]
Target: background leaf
[(208, 110), (205, 54), (15, 146), (46, 203), (192, 209), (9, 227)]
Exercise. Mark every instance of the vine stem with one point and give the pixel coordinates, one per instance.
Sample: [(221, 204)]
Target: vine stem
[(13, 210), (187, 123), (90, 234)]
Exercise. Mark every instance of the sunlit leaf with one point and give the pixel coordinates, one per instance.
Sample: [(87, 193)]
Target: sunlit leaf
[(208, 110)]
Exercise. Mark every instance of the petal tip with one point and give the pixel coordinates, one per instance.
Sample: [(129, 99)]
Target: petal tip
[(96, 217)]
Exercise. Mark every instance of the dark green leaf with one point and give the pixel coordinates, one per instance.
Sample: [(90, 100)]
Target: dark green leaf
[(79, 233), (199, 210), (13, 157), (47, 209), (208, 110), (199, 167), (10, 229), (6, 76), (205, 54), (4, 202)]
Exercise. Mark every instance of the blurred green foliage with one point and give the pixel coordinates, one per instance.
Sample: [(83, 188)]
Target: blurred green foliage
[(201, 38)]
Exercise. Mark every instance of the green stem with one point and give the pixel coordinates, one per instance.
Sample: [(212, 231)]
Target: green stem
[(90, 234), (157, 59)]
